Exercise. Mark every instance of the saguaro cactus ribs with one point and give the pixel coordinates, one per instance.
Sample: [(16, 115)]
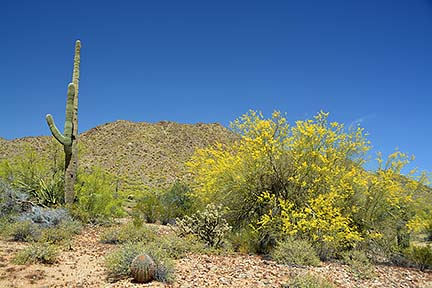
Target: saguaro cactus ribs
[(69, 137)]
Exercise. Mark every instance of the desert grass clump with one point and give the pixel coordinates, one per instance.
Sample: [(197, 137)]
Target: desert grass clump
[(118, 263), (61, 233), (128, 233), (37, 252), (295, 252), (308, 280), (359, 264), (176, 247), (22, 231)]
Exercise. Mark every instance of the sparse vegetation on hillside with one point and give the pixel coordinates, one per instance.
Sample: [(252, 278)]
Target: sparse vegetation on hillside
[(140, 155)]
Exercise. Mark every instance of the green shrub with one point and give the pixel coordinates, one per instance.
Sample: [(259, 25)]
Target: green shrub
[(128, 233), (149, 207), (24, 231), (297, 252), (208, 225), (54, 235), (245, 240), (177, 247), (308, 280), (176, 202), (73, 227), (39, 175), (112, 236), (429, 231), (98, 201), (359, 264), (60, 234), (420, 256), (118, 262), (37, 252)]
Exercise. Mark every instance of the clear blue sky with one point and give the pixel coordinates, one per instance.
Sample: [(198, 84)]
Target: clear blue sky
[(364, 61)]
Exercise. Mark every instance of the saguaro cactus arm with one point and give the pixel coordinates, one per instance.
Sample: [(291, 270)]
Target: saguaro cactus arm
[(66, 138), (54, 130)]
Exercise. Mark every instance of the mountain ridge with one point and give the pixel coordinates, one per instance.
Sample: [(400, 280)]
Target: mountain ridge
[(149, 154)]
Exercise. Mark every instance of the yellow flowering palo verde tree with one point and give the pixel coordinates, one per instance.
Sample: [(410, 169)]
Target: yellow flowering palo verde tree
[(306, 181)]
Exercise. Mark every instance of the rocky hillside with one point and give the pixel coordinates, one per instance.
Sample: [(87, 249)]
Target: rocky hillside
[(152, 154)]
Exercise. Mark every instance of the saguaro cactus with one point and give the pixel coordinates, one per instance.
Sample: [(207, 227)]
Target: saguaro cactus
[(70, 134)]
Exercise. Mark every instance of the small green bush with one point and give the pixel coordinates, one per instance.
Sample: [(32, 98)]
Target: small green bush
[(208, 225), (176, 202), (149, 207), (429, 231), (177, 247), (420, 256), (245, 241), (359, 264), (308, 280), (118, 262), (128, 233), (73, 227), (54, 235), (60, 234), (38, 252), (24, 231), (297, 252), (98, 201)]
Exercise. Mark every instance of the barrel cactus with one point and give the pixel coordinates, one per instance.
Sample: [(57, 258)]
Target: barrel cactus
[(143, 268)]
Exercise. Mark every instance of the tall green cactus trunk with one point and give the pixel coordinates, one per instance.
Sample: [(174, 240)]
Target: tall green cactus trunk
[(69, 137)]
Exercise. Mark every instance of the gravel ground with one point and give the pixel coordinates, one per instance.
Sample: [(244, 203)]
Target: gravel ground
[(82, 266)]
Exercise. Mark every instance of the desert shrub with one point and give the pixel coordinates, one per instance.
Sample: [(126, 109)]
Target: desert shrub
[(46, 217), (298, 252), (112, 236), (308, 280), (208, 225), (359, 264), (38, 252), (254, 241), (61, 233), (149, 206), (118, 262), (245, 240), (72, 226), (25, 231), (12, 202), (128, 233), (39, 175), (98, 200), (176, 202), (176, 247), (420, 256), (429, 231), (54, 235)]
